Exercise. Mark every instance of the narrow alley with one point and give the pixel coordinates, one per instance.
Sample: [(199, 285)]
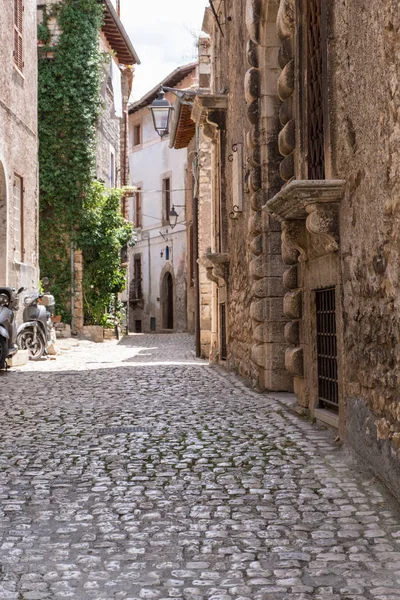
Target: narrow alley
[(134, 471)]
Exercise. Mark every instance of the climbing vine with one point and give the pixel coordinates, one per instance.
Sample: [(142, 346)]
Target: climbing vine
[(70, 77), (102, 234)]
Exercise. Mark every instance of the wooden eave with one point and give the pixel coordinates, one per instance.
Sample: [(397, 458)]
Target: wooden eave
[(171, 80), (117, 37), (185, 128)]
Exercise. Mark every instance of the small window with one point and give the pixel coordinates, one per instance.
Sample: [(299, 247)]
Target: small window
[(112, 168), (166, 200), (138, 326), (18, 219), (167, 253), (152, 323), (18, 40), (137, 135), (138, 208)]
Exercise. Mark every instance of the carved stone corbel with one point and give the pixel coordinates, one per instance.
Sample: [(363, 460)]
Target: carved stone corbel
[(208, 112), (293, 237), (323, 220), (210, 130), (217, 266), (208, 266)]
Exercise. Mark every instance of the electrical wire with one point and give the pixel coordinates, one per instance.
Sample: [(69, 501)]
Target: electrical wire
[(140, 191)]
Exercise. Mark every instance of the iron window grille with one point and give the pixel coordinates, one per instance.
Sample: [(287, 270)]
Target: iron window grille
[(224, 351), (328, 393), (315, 91)]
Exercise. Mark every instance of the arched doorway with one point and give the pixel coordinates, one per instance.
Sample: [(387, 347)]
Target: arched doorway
[(168, 301), (3, 227)]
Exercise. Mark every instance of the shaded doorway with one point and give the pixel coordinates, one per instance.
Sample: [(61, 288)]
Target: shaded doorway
[(168, 301), (3, 227)]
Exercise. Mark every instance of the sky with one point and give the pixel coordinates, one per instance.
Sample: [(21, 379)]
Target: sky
[(163, 33)]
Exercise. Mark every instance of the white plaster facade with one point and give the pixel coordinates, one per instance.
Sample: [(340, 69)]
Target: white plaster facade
[(160, 249), (149, 165)]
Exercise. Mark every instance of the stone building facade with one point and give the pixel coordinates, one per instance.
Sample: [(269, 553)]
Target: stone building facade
[(185, 134), (112, 159), (304, 97), (18, 145), (339, 138), (242, 259)]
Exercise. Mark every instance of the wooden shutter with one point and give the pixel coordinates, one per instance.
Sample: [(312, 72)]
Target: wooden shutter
[(18, 46), (138, 208)]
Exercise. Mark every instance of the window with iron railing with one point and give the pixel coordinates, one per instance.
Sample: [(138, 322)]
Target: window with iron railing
[(315, 40), (135, 288)]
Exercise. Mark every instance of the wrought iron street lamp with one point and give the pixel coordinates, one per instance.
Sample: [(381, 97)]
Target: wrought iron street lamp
[(161, 111), (173, 217)]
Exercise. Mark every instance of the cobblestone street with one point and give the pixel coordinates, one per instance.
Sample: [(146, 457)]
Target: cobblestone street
[(211, 491)]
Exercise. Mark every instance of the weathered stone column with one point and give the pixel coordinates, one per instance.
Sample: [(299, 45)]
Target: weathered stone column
[(266, 266)]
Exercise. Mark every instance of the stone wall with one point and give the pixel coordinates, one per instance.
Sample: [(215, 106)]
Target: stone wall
[(18, 148), (341, 232), (253, 288), (365, 132), (190, 284), (108, 129), (204, 241)]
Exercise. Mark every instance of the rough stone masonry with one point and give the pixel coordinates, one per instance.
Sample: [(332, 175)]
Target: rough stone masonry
[(212, 492)]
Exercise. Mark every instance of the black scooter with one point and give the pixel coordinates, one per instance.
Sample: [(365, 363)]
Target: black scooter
[(9, 302), (36, 333)]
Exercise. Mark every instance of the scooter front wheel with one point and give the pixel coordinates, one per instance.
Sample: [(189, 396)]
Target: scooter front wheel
[(26, 341), (3, 352)]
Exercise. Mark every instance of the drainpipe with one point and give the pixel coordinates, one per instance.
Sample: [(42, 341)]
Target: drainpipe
[(73, 329), (195, 218), (195, 206)]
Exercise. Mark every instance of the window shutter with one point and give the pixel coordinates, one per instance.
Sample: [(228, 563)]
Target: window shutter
[(18, 46)]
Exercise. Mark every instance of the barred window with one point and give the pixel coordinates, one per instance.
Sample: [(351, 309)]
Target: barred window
[(18, 43), (315, 90)]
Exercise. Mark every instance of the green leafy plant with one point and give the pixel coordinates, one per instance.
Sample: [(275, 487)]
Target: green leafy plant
[(75, 211), (101, 236)]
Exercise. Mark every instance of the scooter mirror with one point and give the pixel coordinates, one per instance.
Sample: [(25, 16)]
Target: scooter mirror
[(45, 281), (21, 289)]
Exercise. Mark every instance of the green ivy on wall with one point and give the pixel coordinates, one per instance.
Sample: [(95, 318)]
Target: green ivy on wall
[(70, 77), (102, 234)]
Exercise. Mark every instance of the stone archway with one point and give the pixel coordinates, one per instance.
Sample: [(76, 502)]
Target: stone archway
[(3, 227), (167, 301)]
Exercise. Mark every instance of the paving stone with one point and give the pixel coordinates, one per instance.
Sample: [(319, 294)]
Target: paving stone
[(208, 491)]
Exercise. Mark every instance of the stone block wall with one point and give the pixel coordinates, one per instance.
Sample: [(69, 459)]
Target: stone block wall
[(108, 132), (365, 132), (204, 241), (255, 321), (18, 149)]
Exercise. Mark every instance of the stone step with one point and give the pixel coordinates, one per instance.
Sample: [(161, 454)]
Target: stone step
[(20, 359)]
